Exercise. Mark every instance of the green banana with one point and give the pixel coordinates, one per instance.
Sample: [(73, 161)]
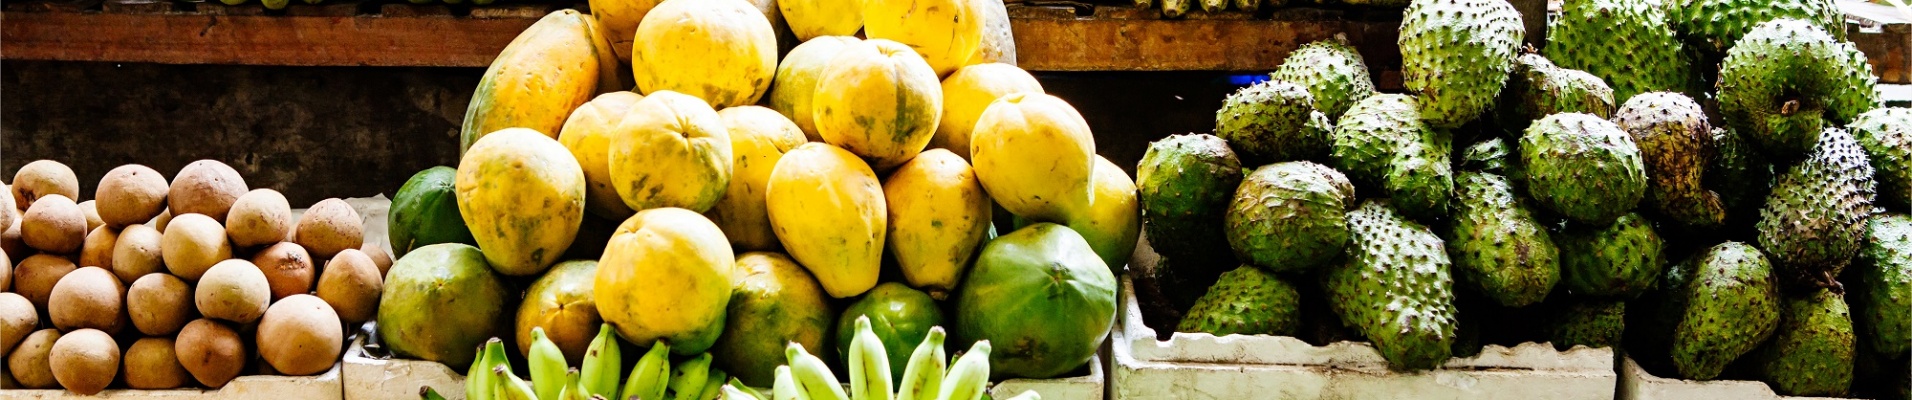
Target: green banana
[(651, 375), (740, 386), (603, 363), (786, 386), (732, 393), (812, 375), (1027, 395), (480, 383), (547, 365), (573, 387), (714, 387), (969, 376), (428, 393), (687, 378), (511, 387), (923, 377), (869, 364)]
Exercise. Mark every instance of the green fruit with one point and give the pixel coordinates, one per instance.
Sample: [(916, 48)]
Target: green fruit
[(1882, 293), (1726, 303), (1383, 142), (564, 304), (1494, 156), (1273, 121), (1815, 219), (1713, 26), (1811, 353), (425, 212), (1782, 82), (1886, 134), (440, 303), (1395, 288), (1675, 141), (1627, 43), (1246, 301), (899, 314), (1332, 71), (1582, 167), (1290, 216), (777, 302), (1185, 183), (1496, 245), (1061, 294), (1622, 259), (1586, 322), (1740, 175), (1455, 56), (1538, 88)]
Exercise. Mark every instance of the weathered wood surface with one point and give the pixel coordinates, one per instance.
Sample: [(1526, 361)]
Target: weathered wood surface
[(1885, 35)]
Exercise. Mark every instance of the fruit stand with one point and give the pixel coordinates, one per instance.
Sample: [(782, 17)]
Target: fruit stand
[(955, 199)]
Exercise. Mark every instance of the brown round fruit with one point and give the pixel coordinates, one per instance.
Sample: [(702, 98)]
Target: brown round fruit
[(233, 290), (43, 178), (351, 284), (192, 243), (12, 243), (9, 211), (329, 227), (288, 269), (54, 224), (211, 351), (380, 257), (136, 253), (92, 212), (85, 361), (130, 194), (88, 298), (35, 276), (300, 335), (258, 218), (17, 319), (97, 250), (165, 218), (6, 272), (159, 304), (28, 363), (205, 187), (151, 364)]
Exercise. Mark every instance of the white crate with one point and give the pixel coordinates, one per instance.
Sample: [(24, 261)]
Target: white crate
[(1637, 384), (324, 386), (1090, 387), (397, 379)]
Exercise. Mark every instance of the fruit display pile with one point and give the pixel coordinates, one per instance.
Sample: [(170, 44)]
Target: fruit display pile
[(188, 283), (1712, 186)]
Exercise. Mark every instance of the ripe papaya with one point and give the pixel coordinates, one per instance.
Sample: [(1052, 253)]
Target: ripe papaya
[(1062, 295), (999, 43), (523, 197), (795, 88), (672, 150), (547, 71), (1114, 220), (827, 208), (1035, 155), (588, 135), (758, 138), (721, 51), (945, 32), (968, 92), (811, 19), (878, 99), (666, 275), (938, 215)]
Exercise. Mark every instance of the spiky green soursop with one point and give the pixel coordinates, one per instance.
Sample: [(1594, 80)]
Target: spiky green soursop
[(1583, 167), (1676, 142), (1815, 219), (1882, 291), (1383, 143), (1184, 183), (1247, 301), (1627, 43), (1811, 353), (1290, 216), (1273, 121), (1713, 26), (1740, 175), (1585, 322), (1781, 83), (1886, 134), (1456, 54), (1395, 288), (1622, 259), (1495, 156), (1496, 245), (1332, 71), (1538, 89), (1726, 304)]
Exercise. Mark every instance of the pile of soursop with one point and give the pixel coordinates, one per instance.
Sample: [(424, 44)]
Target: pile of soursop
[(1711, 186)]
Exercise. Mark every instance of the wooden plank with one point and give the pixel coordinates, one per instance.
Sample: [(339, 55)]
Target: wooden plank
[(256, 40), (1884, 35), (1138, 40), (137, 6)]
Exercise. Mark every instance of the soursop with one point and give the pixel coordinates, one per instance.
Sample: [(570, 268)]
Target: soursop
[(1725, 303), (1497, 246), (1332, 71), (1273, 121), (1815, 219), (1886, 135), (1247, 301), (1785, 78), (1881, 292), (1290, 216), (1811, 353), (1495, 156), (1538, 89), (1627, 43), (1740, 175), (1184, 184), (1583, 167), (1456, 54), (1713, 26), (1676, 142), (1622, 259), (1394, 288), (1585, 322), (1383, 143)]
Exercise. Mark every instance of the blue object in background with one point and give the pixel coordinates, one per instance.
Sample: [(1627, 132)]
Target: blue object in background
[(1247, 79)]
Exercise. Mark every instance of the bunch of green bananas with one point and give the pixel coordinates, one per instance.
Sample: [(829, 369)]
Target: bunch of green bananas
[(490, 377), (806, 377)]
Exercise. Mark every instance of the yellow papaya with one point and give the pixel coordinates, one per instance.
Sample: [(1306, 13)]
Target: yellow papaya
[(827, 208), (968, 92), (547, 71), (879, 100), (612, 76), (1035, 155), (945, 32), (588, 135), (666, 274), (999, 43), (722, 51), (672, 150), (938, 215), (522, 195), (620, 18), (795, 88), (758, 138), (1114, 220), (810, 19)]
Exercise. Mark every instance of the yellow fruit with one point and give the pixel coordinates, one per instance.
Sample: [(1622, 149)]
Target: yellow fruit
[(1114, 219), (817, 18), (588, 135), (619, 19), (523, 197), (758, 138), (828, 210), (612, 76), (672, 150), (879, 100), (537, 80), (938, 214), (946, 32), (796, 83), (666, 274), (999, 43), (722, 51), (1035, 155), (968, 92)]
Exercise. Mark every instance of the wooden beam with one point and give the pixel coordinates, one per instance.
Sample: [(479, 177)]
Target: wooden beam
[(286, 40), (1129, 39)]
